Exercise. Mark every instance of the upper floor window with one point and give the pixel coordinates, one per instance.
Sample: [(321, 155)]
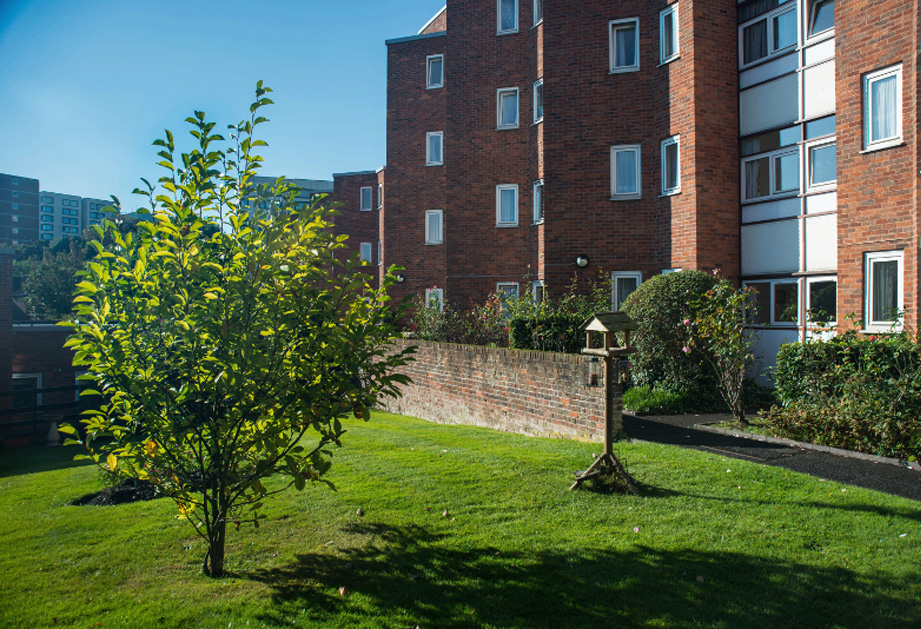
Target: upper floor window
[(882, 108), (622, 284), (768, 34), (14, 181), (668, 34), (365, 252), (434, 145), (625, 172), (770, 175), (365, 205), (821, 166), (538, 100), (624, 45), (539, 201), (15, 194), (434, 71), (47, 199), (507, 205), (507, 108), (538, 12), (671, 166), (434, 227), (508, 16), (821, 16)]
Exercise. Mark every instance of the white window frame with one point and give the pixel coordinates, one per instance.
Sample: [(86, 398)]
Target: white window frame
[(538, 97), (808, 296), (499, 29), (538, 201), (429, 85), (868, 80), (361, 198), (634, 148), (438, 294), (870, 259), (613, 26), (772, 155), (772, 322), (428, 148), (429, 216), (499, 189), (808, 151), (380, 195), (673, 36), (500, 93), (538, 12), (366, 248), (676, 141), (771, 51), (38, 376), (811, 18), (538, 291), (502, 285), (380, 253), (617, 275)]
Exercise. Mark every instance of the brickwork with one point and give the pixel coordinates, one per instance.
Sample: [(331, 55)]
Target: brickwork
[(877, 190), (531, 393), (6, 324), (359, 225), (438, 24), (40, 349)]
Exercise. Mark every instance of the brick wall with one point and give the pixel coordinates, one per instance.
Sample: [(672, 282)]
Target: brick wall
[(360, 226), (40, 349), (6, 323), (531, 393)]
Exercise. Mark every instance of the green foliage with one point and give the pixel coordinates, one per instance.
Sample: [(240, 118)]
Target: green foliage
[(855, 391), (50, 277), (224, 348), (550, 332), (482, 325), (661, 306), (719, 337), (643, 399)]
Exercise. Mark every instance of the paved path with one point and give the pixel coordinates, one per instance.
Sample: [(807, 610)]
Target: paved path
[(679, 430)]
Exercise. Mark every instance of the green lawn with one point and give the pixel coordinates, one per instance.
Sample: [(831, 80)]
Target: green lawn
[(713, 542)]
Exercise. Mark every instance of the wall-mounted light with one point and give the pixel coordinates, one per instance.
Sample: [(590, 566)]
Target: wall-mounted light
[(400, 279), (582, 261)]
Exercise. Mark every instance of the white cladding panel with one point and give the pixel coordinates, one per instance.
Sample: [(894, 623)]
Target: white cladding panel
[(771, 248), (822, 243), (767, 71), (819, 90), (820, 52), (769, 105), (816, 203), (771, 210)]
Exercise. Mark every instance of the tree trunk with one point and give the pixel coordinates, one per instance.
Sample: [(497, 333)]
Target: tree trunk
[(214, 559)]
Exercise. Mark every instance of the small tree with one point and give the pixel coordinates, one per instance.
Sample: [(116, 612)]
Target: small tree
[(49, 281), (718, 333), (226, 349)]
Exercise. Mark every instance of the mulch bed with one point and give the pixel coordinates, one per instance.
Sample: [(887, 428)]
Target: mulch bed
[(125, 492)]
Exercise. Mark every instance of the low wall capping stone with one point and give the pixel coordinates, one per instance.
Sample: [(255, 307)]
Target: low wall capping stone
[(542, 394)]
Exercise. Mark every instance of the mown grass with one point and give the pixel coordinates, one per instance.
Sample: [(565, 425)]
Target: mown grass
[(713, 542)]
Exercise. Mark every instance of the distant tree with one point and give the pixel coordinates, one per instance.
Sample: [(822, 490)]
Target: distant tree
[(227, 350), (49, 281)]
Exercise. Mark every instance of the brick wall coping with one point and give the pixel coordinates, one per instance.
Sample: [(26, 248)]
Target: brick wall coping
[(400, 40), (500, 352)]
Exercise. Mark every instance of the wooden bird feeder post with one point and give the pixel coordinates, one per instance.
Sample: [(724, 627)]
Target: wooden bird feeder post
[(607, 324)]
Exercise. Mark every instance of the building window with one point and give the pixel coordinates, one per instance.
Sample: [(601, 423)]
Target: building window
[(47, 208), (47, 237), (507, 205), (14, 181), (538, 100), (15, 218), (776, 303), (671, 166), (365, 252), (47, 219), (434, 71), (625, 172), (25, 390), (508, 16), (822, 300), (15, 230), (365, 199), (434, 144), (821, 166), (380, 195), (622, 284), (539, 201), (15, 193), (769, 34), (771, 175), (47, 228), (434, 227), (883, 282), (507, 108), (537, 291), (507, 291), (538, 12), (624, 45), (882, 108), (47, 199), (380, 253), (821, 17), (668, 34), (435, 298), (15, 206)]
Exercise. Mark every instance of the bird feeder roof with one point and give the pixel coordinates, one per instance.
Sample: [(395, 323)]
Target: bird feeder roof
[(609, 322)]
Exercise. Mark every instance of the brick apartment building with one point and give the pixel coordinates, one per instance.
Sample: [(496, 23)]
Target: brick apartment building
[(774, 140)]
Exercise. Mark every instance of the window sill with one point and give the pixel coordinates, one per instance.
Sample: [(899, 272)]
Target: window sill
[(364, 209), (434, 244), (509, 128), (828, 33), (624, 70), (883, 146), (540, 222), (434, 87), (626, 197), (434, 164), (879, 328), (500, 33), (665, 62), (670, 193), (778, 197), (537, 122), (505, 225)]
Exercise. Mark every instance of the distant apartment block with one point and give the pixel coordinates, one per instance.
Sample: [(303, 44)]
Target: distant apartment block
[(18, 210)]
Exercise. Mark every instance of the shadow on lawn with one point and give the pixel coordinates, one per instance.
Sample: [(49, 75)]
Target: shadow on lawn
[(414, 576), (32, 459)]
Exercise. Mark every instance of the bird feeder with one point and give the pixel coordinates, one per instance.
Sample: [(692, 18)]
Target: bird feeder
[(606, 325)]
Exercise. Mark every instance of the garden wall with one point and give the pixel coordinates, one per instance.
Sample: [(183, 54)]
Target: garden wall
[(526, 392)]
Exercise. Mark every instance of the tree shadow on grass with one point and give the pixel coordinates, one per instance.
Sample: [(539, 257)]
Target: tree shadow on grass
[(33, 459), (411, 575)]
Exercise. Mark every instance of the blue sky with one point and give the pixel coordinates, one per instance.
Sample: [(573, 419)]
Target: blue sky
[(87, 85)]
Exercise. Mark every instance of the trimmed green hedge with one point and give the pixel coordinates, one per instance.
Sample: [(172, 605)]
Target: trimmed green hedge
[(554, 332)]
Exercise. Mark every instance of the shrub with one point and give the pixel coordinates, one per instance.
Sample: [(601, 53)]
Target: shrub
[(661, 306), (549, 332), (643, 399)]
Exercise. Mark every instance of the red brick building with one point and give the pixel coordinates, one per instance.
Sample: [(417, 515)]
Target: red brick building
[(774, 140)]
